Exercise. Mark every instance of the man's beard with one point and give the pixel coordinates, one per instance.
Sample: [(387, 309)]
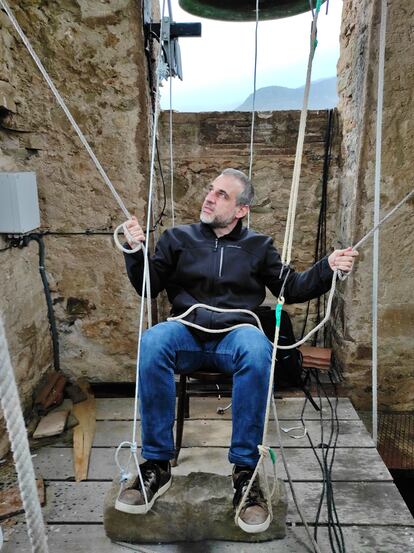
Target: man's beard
[(214, 221)]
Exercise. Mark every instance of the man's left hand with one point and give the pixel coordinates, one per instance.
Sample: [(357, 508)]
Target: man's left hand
[(342, 260)]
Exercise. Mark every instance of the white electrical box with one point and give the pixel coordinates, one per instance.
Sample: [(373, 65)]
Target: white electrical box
[(19, 205)]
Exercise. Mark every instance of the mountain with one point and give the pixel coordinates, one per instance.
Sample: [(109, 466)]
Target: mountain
[(323, 95)]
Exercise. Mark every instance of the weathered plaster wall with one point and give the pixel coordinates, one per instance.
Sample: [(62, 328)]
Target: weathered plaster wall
[(94, 52), (357, 70), (206, 143)]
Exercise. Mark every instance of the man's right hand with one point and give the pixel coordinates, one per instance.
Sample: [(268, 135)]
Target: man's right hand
[(136, 232)]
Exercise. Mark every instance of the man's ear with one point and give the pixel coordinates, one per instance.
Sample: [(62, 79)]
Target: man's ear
[(242, 211)]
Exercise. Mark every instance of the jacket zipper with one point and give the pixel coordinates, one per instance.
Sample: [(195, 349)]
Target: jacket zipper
[(221, 260)]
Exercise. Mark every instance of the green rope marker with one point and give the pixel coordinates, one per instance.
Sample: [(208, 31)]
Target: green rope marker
[(315, 44), (318, 6), (278, 313), (272, 455)]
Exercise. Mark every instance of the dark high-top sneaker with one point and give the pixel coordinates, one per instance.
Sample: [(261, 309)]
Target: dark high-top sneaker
[(156, 482), (254, 516)]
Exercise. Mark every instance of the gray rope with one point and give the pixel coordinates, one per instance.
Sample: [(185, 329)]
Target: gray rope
[(253, 101), (20, 446), (292, 489), (290, 222), (171, 145), (377, 199), (385, 218)]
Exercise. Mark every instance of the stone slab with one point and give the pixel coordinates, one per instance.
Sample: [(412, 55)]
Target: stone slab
[(197, 507), (206, 408), (51, 425), (206, 433), (356, 464), (92, 539)]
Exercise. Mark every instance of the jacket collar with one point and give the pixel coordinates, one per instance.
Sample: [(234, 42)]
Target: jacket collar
[(235, 234)]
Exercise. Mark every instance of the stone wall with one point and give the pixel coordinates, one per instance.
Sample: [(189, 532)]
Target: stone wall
[(94, 52), (357, 70), (206, 143)]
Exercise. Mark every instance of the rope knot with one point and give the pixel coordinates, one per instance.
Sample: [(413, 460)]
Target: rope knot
[(134, 447), (263, 450), (266, 451), (124, 476)]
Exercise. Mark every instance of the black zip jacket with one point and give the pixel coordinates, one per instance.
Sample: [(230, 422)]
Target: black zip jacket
[(233, 271)]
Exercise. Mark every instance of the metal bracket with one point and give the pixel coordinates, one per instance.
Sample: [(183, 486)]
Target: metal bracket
[(171, 32)]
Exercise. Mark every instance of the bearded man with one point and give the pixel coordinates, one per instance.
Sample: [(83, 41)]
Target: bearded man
[(221, 264)]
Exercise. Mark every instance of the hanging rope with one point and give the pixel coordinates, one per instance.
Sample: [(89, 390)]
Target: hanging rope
[(161, 73), (16, 428), (253, 101), (377, 199), (170, 121), (290, 222)]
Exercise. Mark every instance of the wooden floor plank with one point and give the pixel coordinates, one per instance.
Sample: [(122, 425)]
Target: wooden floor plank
[(75, 502), (206, 408), (369, 505), (357, 503), (353, 464), (204, 433), (92, 539)]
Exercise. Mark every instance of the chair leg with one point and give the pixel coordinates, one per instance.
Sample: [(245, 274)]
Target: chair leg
[(181, 410)]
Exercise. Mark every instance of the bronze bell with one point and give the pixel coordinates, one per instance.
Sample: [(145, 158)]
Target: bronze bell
[(245, 10)]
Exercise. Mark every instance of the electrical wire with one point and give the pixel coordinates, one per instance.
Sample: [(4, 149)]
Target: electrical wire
[(320, 243), (326, 461), (21, 242), (162, 213)]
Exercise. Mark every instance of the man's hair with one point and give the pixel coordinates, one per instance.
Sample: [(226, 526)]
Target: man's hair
[(247, 194)]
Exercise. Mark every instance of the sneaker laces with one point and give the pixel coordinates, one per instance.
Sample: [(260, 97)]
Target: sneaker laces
[(150, 472), (255, 496)]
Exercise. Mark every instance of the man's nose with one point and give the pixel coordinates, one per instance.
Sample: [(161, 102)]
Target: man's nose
[(211, 196)]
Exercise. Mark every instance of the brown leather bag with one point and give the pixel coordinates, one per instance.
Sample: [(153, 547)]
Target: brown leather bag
[(51, 393)]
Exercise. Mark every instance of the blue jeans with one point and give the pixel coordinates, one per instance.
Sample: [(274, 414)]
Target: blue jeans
[(169, 348)]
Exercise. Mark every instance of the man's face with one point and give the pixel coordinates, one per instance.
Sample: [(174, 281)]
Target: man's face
[(220, 208)]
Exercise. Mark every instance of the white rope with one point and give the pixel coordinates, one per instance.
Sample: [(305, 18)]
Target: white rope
[(13, 415), (383, 220), (171, 137), (377, 200), (181, 318), (253, 101), (290, 222), (62, 104), (145, 280), (127, 234)]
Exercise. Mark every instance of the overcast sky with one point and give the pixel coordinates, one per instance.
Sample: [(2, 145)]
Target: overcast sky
[(218, 67)]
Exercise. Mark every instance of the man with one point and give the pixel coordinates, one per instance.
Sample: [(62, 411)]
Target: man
[(219, 263)]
